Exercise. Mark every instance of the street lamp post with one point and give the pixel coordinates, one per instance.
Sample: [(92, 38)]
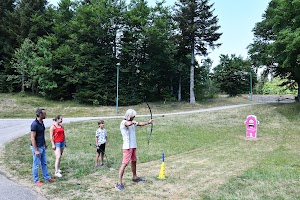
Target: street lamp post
[(117, 98)]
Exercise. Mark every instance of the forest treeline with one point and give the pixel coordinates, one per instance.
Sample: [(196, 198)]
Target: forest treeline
[(76, 51)]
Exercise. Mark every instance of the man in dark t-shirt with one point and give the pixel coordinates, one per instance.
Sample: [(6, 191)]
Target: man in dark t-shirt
[(38, 148), (39, 128)]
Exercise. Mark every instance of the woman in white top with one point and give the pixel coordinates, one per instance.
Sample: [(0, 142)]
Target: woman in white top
[(127, 128)]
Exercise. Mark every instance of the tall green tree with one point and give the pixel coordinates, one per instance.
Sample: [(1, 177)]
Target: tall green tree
[(7, 42), (33, 20), (6, 7), (147, 53), (42, 76), (233, 75), (63, 50), (206, 87), (93, 43), (31, 64), (134, 73), (21, 63), (277, 41), (198, 30), (159, 54)]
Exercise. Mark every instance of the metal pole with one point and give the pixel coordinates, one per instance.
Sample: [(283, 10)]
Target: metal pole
[(117, 99), (251, 86)]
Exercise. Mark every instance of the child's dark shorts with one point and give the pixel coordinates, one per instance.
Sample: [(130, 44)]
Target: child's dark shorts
[(101, 148)]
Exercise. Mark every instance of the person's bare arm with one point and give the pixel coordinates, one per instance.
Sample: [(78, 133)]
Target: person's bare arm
[(33, 143), (96, 142), (51, 137), (129, 123), (145, 123)]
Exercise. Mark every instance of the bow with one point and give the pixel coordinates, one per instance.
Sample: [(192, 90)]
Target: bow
[(151, 123)]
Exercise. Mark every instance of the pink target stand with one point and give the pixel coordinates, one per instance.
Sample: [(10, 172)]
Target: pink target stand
[(251, 126)]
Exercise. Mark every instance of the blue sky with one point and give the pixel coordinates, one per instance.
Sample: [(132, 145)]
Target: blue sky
[(237, 18)]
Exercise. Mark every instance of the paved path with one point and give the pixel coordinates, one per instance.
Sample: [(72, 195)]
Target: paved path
[(13, 128)]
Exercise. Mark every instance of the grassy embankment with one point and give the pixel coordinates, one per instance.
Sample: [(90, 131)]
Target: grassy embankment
[(207, 155)]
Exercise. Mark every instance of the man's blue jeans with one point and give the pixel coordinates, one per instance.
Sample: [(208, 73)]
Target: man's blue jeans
[(39, 161)]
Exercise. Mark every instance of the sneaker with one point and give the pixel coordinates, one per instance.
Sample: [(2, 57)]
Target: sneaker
[(119, 187), (138, 180), (51, 180), (59, 171), (58, 174), (39, 183)]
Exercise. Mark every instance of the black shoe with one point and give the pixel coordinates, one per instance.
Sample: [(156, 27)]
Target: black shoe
[(138, 180)]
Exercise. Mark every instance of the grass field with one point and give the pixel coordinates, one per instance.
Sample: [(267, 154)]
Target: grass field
[(207, 156), (19, 106)]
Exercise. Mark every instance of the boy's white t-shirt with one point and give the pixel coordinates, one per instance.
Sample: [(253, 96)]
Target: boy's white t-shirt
[(101, 135), (128, 134)]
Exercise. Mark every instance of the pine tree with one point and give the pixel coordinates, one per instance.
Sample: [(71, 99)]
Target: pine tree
[(197, 28), (33, 20), (6, 39)]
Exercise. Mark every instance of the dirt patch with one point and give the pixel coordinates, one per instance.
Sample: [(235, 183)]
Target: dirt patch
[(272, 98), (7, 104)]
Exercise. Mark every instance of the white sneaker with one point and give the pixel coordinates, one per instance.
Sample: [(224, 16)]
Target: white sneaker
[(57, 174)]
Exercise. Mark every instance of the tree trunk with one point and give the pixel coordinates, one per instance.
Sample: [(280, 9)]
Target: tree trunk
[(179, 88), (192, 95), (23, 82)]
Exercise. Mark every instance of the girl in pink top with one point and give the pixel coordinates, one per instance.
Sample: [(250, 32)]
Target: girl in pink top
[(57, 137)]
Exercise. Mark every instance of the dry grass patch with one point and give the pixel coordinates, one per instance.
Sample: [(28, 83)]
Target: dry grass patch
[(207, 157), (24, 106)]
